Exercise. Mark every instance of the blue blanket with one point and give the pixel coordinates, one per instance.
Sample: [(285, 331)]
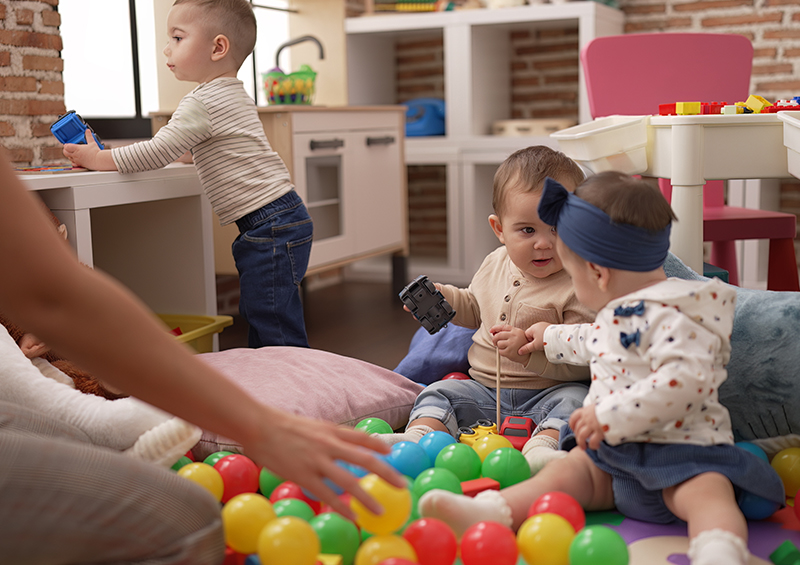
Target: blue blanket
[(762, 392)]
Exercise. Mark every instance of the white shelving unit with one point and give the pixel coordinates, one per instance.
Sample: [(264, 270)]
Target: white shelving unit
[(477, 78)]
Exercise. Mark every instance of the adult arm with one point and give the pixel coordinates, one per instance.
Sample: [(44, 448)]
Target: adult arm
[(101, 326)]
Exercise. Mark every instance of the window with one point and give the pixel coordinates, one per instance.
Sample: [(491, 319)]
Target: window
[(114, 91)]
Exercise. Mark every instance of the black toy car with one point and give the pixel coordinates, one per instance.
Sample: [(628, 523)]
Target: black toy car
[(427, 304)]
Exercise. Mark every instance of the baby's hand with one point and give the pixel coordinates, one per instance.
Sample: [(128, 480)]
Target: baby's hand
[(588, 429), (83, 155), (509, 340), (534, 338)]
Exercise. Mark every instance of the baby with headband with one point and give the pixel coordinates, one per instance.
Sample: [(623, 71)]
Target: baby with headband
[(653, 439)]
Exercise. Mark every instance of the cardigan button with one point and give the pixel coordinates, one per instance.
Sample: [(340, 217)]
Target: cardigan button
[(507, 298), (503, 317), (517, 283)]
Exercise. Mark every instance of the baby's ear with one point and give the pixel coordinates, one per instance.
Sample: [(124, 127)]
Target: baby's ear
[(62, 231), (497, 227)]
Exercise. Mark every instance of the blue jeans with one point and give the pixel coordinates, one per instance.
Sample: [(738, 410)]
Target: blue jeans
[(458, 403), (271, 254)]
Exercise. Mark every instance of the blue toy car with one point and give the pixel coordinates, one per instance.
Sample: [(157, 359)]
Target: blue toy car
[(427, 304), (70, 128)]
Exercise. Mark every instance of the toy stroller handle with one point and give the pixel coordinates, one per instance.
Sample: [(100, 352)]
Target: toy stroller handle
[(295, 42)]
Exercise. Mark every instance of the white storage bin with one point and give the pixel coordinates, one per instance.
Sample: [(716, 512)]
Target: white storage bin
[(791, 139), (613, 143)]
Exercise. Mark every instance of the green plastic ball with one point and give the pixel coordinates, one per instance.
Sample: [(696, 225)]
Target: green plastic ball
[(337, 535), (436, 478), (214, 457), (374, 426), (181, 462), (268, 481), (507, 466), (598, 544), (293, 507), (461, 459)]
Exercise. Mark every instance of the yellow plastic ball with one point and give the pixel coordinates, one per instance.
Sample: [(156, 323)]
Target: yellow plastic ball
[(243, 518), (787, 464), (396, 503), (485, 445), (204, 475), (379, 548), (544, 539), (288, 541)]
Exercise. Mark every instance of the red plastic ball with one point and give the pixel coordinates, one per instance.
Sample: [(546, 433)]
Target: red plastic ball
[(489, 542), (562, 504), (455, 376), (288, 489), (433, 541), (239, 475)]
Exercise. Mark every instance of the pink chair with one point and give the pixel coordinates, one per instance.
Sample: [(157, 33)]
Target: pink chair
[(632, 74)]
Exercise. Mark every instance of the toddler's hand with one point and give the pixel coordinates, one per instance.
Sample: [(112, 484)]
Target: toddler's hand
[(83, 155), (588, 430), (534, 338), (509, 340)]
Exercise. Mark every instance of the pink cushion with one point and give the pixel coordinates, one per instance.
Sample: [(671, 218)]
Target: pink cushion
[(313, 383)]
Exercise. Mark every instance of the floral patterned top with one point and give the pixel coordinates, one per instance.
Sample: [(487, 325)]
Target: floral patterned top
[(657, 359)]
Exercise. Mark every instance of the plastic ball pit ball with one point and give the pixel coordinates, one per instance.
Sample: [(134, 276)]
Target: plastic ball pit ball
[(382, 547), (268, 481), (433, 541), (434, 442), (243, 518), (755, 507), (787, 463), (288, 489), (507, 466), (337, 535), (397, 561), (461, 459), (182, 462), (489, 542), (288, 540), (752, 448), (239, 475), (562, 504), (485, 445), (408, 458), (396, 503), (433, 478), (598, 544), (374, 426), (216, 456), (544, 539), (293, 507), (205, 476)]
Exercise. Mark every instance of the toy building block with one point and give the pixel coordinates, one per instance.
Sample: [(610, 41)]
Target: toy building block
[(427, 304), (732, 109), (712, 107), (745, 108), (473, 487), (786, 554), (666, 109), (687, 108), (756, 103)]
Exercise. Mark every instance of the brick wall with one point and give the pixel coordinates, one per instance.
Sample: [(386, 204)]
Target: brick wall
[(31, 87)]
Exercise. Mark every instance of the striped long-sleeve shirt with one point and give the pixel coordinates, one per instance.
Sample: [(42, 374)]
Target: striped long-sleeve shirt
[(218, 122)]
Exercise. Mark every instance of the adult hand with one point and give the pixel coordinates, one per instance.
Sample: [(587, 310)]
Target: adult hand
[(305, 451)]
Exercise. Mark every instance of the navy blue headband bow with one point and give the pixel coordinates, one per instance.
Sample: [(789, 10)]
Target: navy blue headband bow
[(590, 233)]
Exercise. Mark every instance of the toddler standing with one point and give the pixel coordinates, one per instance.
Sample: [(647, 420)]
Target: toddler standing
[(245, 180)]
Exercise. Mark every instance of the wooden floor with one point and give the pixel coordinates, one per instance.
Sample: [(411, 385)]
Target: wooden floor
[(356, 319)]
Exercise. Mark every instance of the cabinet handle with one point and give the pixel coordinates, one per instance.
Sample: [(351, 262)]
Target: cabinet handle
[(326, 144), (388, 140)]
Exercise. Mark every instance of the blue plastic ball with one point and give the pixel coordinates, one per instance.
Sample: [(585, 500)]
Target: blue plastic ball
[(755, 507), (753, 448), (408, 458), (434, 442)]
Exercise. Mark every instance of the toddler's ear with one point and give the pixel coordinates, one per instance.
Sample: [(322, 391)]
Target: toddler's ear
[(497, 227)]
